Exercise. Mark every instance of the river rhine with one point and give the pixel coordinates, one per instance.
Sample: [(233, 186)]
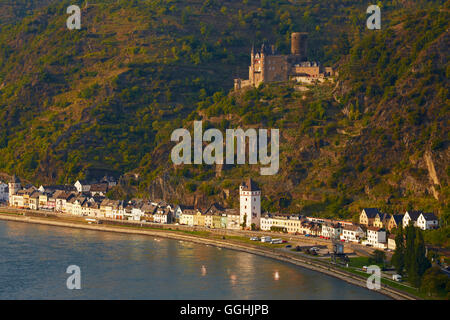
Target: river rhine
[(34, 259)]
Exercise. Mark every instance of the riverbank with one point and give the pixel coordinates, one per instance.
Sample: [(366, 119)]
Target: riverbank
[(202, 237)]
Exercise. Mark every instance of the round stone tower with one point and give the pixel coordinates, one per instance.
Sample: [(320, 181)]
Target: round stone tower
[(299, 44)]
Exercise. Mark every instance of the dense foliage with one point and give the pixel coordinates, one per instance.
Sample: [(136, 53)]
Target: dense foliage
[(106, 98)]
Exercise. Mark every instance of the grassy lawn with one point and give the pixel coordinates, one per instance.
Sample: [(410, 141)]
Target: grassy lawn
[(359, 262), (194, 233), (391, 283), (11, 213), (258, 243)]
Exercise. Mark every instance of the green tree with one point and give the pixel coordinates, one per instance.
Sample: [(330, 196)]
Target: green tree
[(244, 224), (398, 258), (420, 253), (435, 282), (410, 235)]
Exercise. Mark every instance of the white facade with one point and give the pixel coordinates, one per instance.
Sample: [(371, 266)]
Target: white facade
[(352, 234), (266, 223), (250, 206), (377, 238), (331, 231), (291, 224), (391, 244), (410, 216), (162, 216), (187, 218), (425, 223), (82, 187), (233, 221), (136, 214)]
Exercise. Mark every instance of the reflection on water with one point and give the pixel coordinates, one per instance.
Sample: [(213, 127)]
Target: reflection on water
[(34, 259)]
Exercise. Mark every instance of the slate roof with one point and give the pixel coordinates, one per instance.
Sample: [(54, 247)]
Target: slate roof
[(398, 218), (414, 215), (249, 185), (371, 212), (429, 216), (99, 187)]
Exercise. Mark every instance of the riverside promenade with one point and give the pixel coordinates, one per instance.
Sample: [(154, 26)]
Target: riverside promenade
[(180, 233)]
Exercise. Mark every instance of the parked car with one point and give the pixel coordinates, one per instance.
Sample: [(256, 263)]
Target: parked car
[(254, 239), (397, 277), (288, 246)]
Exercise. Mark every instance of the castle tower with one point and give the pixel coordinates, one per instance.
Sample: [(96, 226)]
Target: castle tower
[(263, 64), (250, 204), (14, 186), (299, 45)]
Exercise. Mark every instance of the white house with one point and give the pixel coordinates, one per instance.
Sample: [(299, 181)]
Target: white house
[(163, 215), (82, 186), (4, 191), (61, 199), (391, 242), (283, 222), (187, 217), (352, 233), (250, 204), (427, 220), (331, 230), (233, 219), (91, 209), (376, 237), (136, 211), (77, 204), (179, 210)]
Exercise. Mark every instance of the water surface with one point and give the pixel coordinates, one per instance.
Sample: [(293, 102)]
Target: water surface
[(34, 259)]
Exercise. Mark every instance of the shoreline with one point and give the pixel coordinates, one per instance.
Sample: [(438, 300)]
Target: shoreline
[(176, 235)]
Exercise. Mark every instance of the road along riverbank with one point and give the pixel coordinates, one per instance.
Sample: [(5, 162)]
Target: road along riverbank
[(222, 242)]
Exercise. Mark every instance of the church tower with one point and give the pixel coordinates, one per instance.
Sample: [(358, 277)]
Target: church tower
[(14, 186), (250, 204)]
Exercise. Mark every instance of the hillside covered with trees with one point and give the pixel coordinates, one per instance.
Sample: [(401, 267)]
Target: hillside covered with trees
[(106, 98)]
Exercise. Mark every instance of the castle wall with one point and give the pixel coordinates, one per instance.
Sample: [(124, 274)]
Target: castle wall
[(276, 68), (310, 71), (267, 66)]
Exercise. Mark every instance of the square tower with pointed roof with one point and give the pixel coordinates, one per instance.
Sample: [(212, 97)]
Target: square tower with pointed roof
[(250, 204)]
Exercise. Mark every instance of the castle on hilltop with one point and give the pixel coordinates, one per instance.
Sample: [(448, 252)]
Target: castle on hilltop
[(268, 66)]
